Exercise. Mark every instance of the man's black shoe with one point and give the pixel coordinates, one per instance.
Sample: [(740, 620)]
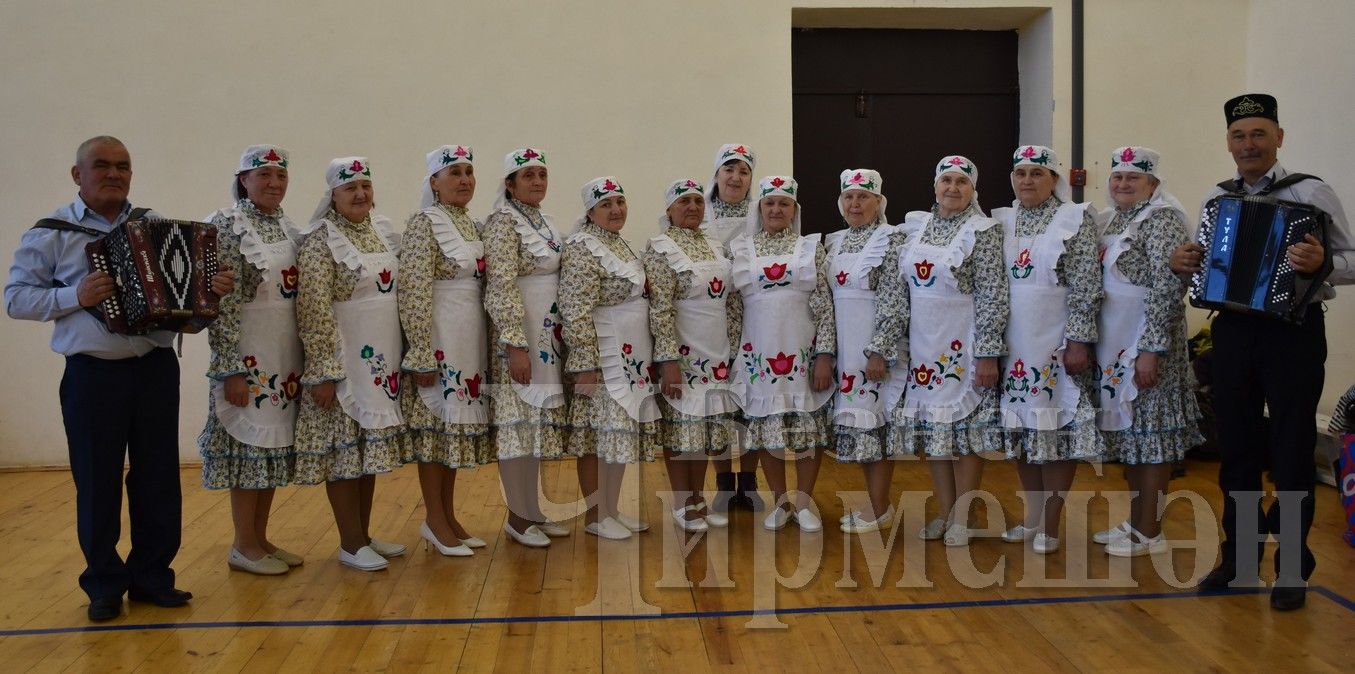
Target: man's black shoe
[(1288, 598), (1217, 579), (170, 598), (105, 609)]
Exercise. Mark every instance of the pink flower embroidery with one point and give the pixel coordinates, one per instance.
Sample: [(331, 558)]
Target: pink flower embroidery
[(1019, 370), (956, 345), (438, 355), (777, 182), (356, 167), (716, 286), (1028, 152), (956, 161), (857, 179), (848, 380), (842, 278), (626, 349), (1127, 155), (460, 151), (748, 346), (530, 154), (1023, 258)]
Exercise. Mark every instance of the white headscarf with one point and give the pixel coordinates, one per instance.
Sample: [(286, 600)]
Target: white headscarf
[(727, 153), (439, 159), (595, 190), (773, 186), (676, 190), (513, 161), (1139, 159), (1039, 155), (341, 171), (257, 156), (863, 180), (959, 165)]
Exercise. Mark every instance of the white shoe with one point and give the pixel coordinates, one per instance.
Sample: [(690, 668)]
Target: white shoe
[(458, 550), (365, 559), (385, 549), (268, 565), (609, 529), (1044, 543), (679, 516), (552, 529), (1135, 544), (776, 519), (474, 542), (634, 524), (808, 521), (713, 518), (859, 524), (1118, 531), (957, 535), (934, 530), (885, 520), (530, 537), (1019, 533)]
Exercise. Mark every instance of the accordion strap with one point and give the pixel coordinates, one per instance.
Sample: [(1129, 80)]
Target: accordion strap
[(63, 226), (1235, 186)]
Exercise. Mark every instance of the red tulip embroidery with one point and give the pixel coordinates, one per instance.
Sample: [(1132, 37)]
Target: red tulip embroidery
[(782, 363), (291, 278), (455, 384), (382, 376), (720, 372), (528, 155), (1029, 155), (948, 366), (271, 157), (355, 169), (269, 387), (922, 376), (922, 274), (626, 349), (716, 288), (1022, 266), (775, 276), (841, 278), (1037, 380), (479, 267), (385, 281), (848, 381)]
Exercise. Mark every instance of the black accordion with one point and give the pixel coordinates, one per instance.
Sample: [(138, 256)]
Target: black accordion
[(163, 271), (1245, 266)]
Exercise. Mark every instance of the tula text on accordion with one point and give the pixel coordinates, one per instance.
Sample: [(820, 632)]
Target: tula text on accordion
[(1245, 268), (163, 270)]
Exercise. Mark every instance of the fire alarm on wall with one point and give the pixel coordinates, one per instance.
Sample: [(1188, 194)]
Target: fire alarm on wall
[(1077, 177)]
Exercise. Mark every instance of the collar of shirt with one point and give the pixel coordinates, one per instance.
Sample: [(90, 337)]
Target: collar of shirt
[(1275, 173), (80, 213)]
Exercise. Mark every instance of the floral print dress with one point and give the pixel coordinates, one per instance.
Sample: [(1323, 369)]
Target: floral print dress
[(330, 444), (795, 431), (431, 439), (227, 462), (686, 433), (518, 429), (1079, 270), (598, 424), (1165, 416), (982, 275)]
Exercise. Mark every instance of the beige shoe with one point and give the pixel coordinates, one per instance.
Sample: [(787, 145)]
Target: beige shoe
[(268, 565), (552, 529), (609, 529), (288, 558), (386, 549)]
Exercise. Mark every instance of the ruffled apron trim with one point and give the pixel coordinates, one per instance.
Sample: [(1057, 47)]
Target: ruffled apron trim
[(450, 242), (612, 264)]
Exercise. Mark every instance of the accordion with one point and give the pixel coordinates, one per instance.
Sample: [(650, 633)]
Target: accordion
[(1245, 268), (163, 270)]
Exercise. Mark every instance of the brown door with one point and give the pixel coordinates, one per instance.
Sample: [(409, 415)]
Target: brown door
[(897, 101)]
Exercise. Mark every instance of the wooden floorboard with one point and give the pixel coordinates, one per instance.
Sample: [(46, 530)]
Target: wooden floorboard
[(494, 608)]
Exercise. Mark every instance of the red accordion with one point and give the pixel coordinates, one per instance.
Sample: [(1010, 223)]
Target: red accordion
[(163, 271)]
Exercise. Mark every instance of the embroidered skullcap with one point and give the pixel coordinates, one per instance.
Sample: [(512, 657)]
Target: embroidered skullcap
[(727, 153), (1039, 155), (1251, 105), (957, 164), (1135, 159), (439, 159), (513, 162), (864, 180), (676, 190), (598, 189), (774, 186), (341, 171)]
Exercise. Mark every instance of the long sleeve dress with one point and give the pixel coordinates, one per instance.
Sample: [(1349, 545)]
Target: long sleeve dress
[(1166, 416), (790, 431), (980, 274), (226, 461), (1078, 269), (598, 424), (681, 432), (330, 444), (519, 428), (422, 263)]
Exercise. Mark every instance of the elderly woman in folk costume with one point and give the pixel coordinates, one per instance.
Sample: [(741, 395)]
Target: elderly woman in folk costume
[(862, 402), (786, 351), (1050, 250), (613, 416), (1148, 411), (442, 266), (527, 410), (349, 426), (696, 318), (256, 359), (729, 194), (952, 300)]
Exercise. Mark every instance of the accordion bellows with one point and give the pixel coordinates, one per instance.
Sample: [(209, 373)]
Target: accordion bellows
[(1245, 267), (163, 270)]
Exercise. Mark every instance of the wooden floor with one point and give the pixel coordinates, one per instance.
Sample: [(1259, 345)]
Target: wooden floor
[(510, 608)]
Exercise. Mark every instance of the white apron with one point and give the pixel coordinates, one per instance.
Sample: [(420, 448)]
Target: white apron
[(859, 403), (370, 346), (541, 321), (1120, 325), (942, 328), (459, 325), (625, 348), (702, 319), (1036, 393), (778, 328), (269, 347)]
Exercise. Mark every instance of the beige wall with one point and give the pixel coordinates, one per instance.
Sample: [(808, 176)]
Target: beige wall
[(643, 90)]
